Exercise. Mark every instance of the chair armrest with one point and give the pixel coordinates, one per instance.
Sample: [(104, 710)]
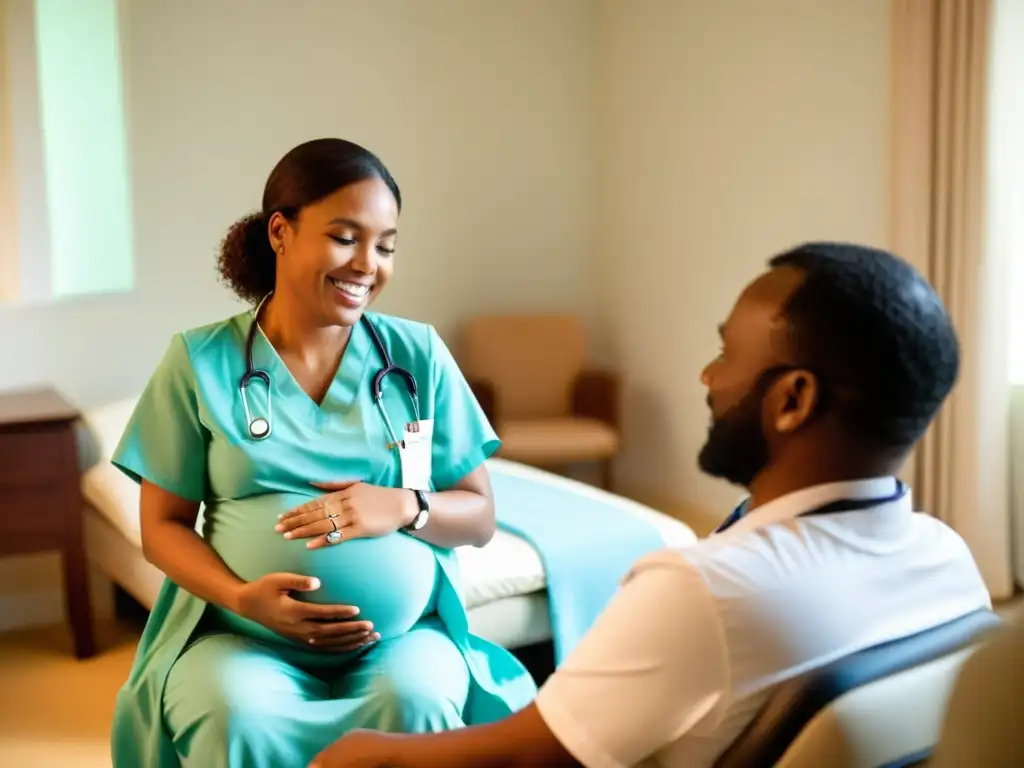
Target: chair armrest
[(487, 396), (595, 395)]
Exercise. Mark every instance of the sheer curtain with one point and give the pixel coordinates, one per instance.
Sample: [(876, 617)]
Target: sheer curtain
[(1006, 227), (943, 221)]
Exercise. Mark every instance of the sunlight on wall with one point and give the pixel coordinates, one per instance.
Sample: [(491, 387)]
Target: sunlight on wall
[(84, 146)]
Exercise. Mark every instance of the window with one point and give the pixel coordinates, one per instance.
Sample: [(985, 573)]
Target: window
[(1006, 164), (64, 178)]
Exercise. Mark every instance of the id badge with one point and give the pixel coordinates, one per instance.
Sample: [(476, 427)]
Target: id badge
[(415, 454)]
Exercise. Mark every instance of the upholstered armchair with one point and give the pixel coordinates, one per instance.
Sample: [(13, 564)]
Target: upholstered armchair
[(530, 375)]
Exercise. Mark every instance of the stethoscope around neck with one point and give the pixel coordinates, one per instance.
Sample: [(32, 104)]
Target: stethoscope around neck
[(260, 427)]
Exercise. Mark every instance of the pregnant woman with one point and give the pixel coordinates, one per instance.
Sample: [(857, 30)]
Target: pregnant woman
[(322, 594)]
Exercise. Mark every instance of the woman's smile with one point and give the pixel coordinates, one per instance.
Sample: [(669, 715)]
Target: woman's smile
[(349, 293)]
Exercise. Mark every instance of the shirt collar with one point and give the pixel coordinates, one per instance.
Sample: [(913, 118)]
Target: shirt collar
[(794, 504)]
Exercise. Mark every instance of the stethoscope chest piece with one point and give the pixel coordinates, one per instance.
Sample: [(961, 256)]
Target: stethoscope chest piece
[(259, 428)]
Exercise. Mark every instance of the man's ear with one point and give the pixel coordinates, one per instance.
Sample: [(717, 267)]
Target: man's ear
[(796, 396)]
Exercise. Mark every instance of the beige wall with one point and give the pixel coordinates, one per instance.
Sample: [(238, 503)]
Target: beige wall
[(483, 110), (730, 130), (636, 161)]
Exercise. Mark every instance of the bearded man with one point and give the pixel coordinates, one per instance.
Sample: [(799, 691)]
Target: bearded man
[(832, 365)]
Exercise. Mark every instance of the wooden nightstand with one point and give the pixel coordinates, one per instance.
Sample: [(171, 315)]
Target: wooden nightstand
[(40, 498)]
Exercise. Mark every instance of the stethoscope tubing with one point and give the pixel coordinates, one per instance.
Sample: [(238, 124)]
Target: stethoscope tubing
[(259, 428)]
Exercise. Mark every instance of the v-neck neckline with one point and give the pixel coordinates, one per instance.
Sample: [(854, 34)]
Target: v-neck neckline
[(342, 393)]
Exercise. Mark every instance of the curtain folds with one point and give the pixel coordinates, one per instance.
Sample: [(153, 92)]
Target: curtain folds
[(939, 145)]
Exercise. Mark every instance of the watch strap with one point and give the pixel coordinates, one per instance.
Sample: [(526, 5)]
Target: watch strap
[(421, 517)]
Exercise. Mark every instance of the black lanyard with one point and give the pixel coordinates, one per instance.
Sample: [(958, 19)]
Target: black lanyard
[(833, 507)]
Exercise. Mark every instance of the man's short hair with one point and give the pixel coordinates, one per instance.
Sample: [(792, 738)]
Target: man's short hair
[(878, 336)]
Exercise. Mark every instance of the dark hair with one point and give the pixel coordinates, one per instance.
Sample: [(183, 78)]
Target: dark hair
[(877, 334), (307, 174)]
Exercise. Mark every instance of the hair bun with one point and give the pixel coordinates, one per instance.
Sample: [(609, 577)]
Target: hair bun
[(247, 262)]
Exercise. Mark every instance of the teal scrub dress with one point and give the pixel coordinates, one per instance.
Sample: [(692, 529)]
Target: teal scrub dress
[(210, 689)]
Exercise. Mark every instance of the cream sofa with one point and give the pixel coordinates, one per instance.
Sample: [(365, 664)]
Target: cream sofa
[(503, 582)]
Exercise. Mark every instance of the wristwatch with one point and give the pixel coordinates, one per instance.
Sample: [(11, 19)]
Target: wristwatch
[(421, 517)]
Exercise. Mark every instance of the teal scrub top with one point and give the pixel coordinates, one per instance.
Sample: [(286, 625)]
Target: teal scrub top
[(189, 435)]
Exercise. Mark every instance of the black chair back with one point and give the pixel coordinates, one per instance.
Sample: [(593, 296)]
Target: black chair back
[(794, 703)]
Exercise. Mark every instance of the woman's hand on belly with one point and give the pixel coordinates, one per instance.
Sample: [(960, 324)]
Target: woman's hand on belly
[(355, 509), (268, 602), (392, 579)]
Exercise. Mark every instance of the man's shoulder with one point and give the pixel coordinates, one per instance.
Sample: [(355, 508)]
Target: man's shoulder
[(670, 560), (928, 524), (732, 566), (936, 542), (804, 554)]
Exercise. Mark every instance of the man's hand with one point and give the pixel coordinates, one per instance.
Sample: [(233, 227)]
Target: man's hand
[(359, 749), (519, 740)]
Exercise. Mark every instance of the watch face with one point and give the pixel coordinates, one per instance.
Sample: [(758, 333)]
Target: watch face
[(420, 520)]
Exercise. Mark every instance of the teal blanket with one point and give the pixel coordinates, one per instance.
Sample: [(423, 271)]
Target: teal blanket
[(586, 546)]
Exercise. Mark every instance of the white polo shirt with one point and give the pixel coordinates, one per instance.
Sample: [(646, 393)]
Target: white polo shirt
[(696, 638)]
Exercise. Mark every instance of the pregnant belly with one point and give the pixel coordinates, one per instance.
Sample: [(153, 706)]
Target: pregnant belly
[(390, 579)]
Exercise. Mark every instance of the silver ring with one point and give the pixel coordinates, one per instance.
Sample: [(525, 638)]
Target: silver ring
[(334, 537), (334, 524)]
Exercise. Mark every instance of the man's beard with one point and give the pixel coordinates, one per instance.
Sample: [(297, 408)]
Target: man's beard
[(736, 449)]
